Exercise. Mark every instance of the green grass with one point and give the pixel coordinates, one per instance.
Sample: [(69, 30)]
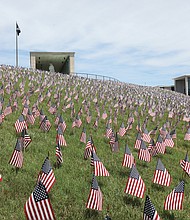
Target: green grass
[(73, 179)]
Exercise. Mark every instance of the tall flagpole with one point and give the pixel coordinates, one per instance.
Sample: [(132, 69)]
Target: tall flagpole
[(17, 34), (16, 49)]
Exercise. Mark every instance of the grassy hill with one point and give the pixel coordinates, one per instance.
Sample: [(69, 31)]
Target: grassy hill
[(70, 192)]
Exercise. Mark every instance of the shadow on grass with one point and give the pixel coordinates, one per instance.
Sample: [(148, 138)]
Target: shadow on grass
[(91, 214), (124, 173), (157, 187), (132, 201), (168, 215)]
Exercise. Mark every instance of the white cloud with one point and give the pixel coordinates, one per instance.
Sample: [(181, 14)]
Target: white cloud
[(124, 35)]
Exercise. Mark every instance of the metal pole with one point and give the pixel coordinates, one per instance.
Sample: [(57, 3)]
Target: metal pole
[(16, 49)]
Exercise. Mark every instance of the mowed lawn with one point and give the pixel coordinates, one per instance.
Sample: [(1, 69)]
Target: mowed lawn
[(69, 194)]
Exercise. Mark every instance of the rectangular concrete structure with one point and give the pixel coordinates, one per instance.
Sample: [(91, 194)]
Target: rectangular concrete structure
[(62, 62), (182, 84)]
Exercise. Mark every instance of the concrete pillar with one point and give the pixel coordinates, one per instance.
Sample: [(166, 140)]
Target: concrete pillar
[(186, 85), (32, 62), (72, 64)]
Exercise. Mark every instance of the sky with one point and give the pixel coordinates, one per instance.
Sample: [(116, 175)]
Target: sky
[(144, 42)]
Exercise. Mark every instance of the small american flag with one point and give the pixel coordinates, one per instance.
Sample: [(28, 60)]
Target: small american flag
[(108, 131), (160, 146), (99, 169), (135, 185), (161, 175), (20, 124), (174, 201), (128, 159), (38, 205), (58, 154), (46, 176), (145, 136), (26, 138), (95, 198), (122, 130), (83, 136), (150, 212), (144, 153), (17, 156), (60, 138), (30, 118), (88, 149), (185, 164), (187, 135), (8, 110), (168, 142), (25, 110), (45, 124), (137, 144)]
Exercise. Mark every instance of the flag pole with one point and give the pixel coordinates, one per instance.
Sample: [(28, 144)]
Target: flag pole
[(16, 46)]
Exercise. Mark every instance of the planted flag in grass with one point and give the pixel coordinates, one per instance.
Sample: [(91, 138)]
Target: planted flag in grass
[(20, 124), (45, 124), (150, 212), (17, 156), (174, 201), (95, 198), (135, 185), (38, 205), (99, 169), (46, 176), (25, 138), (161, 175), (128, 159), (185, 164)]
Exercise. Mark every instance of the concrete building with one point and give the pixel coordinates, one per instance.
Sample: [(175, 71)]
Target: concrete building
[(182, 84), (62, 62)]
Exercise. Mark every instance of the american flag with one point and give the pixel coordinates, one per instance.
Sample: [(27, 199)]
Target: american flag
[(78, 121), (2, 116), (60, 138), (95, 125), (135, 185), (62, 124), (137, 144), (45, 125), (83, 136), (161, 175), (30, 118), (57, 119), (17, 156), (99, 169), (26, 138), (128, 159), (104, 115), (187, 135), (88, 118), (25, 110), (150, 212), (144, 153), (122, 130), (46, 176), (95, 198), (52, 109), (8, 110), (173, 134), (145, 136), (185, 164), (114, 144), (160, 146), (168, 142), (174, 201), (38, 205), (88, 149), (20, 124), (108, 131), (58, 154), (42, 116)]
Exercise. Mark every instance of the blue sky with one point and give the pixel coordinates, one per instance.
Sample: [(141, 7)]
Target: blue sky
[(144, 42)]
